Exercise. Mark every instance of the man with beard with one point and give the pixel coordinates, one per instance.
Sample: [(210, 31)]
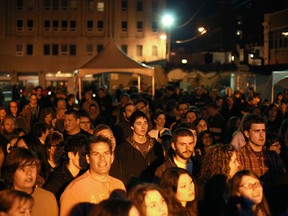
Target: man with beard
[(254, 156), (182, 150)]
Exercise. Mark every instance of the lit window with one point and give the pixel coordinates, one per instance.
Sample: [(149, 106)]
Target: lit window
[(139, 50), (100, 6), (29, 49)]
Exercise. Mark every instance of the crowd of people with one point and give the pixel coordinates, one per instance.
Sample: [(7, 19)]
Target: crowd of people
[(221, 153)]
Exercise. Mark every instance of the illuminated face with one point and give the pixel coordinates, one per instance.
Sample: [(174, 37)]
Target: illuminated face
[(71, 123), (202, 125), (100, 158), (160, 120), (48, 119), (9, 125), (190, 116), (21, 208), (3, 113), (185, 188), (24, 178), (108, 134), (13, 106), (142, 107), (155, 204), (256, 135), (33, 100), (207, 139), (184, 147), (140, 126), (182, 109), (85, 123), (129, 110), (251, 189), (233, 165)]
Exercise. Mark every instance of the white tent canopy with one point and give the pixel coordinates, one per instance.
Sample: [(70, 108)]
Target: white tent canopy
[(113, 59), (276, 77)]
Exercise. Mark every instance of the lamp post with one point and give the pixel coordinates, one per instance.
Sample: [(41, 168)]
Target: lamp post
[(167, 22)]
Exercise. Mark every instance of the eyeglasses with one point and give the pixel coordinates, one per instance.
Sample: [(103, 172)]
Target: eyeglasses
[(251, 186)]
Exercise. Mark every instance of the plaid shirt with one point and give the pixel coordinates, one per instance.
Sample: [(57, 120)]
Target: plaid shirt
[(266, 164)]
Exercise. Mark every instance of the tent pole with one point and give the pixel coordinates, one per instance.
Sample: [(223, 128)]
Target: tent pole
[(139, 84), (153, 87), (79, 88)]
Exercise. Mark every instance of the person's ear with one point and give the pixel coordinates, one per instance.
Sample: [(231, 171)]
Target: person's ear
[(173, 146), (246, 134), (87, 159)]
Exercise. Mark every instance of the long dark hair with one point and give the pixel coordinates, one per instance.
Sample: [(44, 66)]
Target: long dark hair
[(169, 183)]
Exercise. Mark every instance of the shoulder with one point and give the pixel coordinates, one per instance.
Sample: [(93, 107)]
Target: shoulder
[(44, 194)]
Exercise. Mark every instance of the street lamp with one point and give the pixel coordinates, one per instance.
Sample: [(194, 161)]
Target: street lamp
[(167, 21), (201, 31)]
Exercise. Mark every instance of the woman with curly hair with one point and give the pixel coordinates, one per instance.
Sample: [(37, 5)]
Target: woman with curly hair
[(246, 195), (180, 188), (218, 166)]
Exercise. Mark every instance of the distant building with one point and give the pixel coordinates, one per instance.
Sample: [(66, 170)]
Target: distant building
[(43, 41)]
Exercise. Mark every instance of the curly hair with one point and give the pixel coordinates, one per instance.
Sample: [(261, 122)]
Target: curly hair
[(216, 161)]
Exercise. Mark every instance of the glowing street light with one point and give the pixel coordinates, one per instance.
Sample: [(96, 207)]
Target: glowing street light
[(167, 21), (201, 30)]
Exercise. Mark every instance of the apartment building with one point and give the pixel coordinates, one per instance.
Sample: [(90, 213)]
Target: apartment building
[(42, 42)]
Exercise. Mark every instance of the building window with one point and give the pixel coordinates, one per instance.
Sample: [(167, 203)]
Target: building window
[(64, 5), (124, 26), (19, 4), (139, 26), (100, 47), (72, 50), (90, 25), (64, 25), (47, 4), (154, 26), (19, 50), (100, 6), (64, 49), (100, 25), (154, 6), (139, 50), (46, 49), (154, 51), (55, 49), (30, 25), (124, 5), (20, 25), (139, 6), (90, 5), (73, 25), (124, 48), (55, 5), (55, 25), (89, 49), (47, 25), (29, 49)]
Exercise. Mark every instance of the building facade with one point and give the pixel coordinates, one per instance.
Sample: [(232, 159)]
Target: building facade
[(43, 42)]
